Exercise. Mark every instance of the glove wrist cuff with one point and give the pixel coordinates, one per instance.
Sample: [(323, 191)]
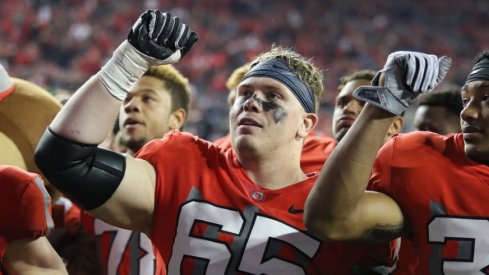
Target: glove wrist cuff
[(123, 70), (381, 97)]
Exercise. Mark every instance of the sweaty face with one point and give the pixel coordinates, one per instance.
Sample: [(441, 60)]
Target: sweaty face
[(436, 119), (475, 120), (347, 108), (146, 113), (265, 115)]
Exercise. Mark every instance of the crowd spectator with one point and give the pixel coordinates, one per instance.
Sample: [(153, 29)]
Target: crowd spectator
[(342, 36)]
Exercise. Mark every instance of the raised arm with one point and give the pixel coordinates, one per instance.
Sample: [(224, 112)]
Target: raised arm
[(338, 207), (116, 189)]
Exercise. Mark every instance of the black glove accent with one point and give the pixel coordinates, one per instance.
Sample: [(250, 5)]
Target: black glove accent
[(159, 35)]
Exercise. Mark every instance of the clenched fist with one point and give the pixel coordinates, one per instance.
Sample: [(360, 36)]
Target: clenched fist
[(160, 36), (155, 39), (406, 76)]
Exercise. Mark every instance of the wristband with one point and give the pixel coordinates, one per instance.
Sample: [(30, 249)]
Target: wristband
[(123, 70)]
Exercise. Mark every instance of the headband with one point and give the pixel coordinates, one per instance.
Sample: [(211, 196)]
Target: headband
[(480, 71), (278, 70)]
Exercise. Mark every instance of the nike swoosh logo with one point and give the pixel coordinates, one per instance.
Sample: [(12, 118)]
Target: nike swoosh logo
[(292, 210)]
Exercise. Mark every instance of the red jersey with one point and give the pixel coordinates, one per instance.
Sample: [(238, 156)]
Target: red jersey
[(444, 196), (121, 251), (24, 206), (66, 215), (315, 151), (224, 142), (211, 218)]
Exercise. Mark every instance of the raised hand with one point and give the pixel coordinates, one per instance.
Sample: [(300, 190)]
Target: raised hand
[(406, 76), (155, 39), (161, 36)]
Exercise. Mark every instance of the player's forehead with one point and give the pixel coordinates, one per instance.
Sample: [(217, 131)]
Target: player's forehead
[(344, 94), (351, 86), (264, 84), (478, 86)]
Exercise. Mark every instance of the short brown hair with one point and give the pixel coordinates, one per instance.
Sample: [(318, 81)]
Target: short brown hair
[(366, 74)]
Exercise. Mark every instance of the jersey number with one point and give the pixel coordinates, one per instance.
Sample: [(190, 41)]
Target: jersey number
[(121, 243), (255, 251), (475, 232)]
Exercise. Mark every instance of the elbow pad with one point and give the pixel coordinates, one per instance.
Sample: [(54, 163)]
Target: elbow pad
[(86, 174)]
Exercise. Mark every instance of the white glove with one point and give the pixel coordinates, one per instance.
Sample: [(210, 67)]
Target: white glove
[(155, 39), (407, 75)]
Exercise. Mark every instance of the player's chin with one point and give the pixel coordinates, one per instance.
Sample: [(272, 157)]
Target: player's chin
[(477, 152), (244, 143), (136, 142)]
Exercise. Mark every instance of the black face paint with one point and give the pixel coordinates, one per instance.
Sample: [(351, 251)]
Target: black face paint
[(238, 103), (265, 105), (279, 113)]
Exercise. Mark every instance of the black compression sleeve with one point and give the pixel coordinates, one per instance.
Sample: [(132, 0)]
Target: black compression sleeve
[(86, 174)]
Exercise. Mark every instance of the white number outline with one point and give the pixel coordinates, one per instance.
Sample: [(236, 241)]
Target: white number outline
[(449, 265), (122, 237), (182, 236)]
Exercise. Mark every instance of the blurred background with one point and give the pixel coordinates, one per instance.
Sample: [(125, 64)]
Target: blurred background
[(59, 44)]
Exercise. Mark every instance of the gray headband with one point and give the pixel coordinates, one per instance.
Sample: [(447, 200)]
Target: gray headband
[(480, 71), (278, 70)]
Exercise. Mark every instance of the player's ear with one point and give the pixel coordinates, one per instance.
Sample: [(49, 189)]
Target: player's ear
[(396, 126), (177, 119), (309, 122)]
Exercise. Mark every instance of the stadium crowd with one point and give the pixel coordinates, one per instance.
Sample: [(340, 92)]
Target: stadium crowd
[(59, 44)]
